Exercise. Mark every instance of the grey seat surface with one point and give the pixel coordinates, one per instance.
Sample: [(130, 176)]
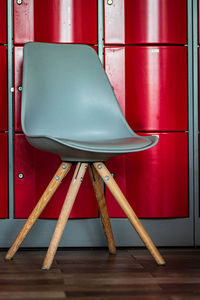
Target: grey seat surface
[(69, 107)]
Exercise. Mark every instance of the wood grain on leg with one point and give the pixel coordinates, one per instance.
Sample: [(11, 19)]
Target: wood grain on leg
[(117, 193), (98, 189), (65, 212), (47, 195)]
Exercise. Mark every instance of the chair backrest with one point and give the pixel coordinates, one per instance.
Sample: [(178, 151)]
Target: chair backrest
[(66, 94)]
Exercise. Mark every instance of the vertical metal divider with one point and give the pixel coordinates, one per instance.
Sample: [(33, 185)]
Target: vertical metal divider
[(100, 31), (196, 123), (190, 113), (10, 107)]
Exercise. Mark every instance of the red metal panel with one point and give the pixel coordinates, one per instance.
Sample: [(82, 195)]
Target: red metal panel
[(115, 69), (3, 176), (117, 167), (24, 177), (3, 11), (56, 21), (18, 62), (36, 169), (3, 89), (114, 22), (145, 21), (23, 21), (155, 89), (157, 179)]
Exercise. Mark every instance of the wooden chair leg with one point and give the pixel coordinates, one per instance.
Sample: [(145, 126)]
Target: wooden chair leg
[(115, 190), (65, 212), (98, 189), (47, 195)]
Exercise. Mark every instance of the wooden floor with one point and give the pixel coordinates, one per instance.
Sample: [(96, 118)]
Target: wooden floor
[(94, 274)]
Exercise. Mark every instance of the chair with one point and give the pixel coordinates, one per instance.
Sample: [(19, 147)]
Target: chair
[(69, 108)]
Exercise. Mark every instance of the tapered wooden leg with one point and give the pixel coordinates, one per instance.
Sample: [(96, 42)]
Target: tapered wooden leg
[(47, 195), (115, 190), (65, 212), (98, 189)]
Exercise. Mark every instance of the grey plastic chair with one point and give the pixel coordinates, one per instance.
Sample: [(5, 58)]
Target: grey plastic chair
[(69, 108)]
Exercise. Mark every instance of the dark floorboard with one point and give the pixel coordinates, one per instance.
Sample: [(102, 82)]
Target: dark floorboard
[(94, 274)]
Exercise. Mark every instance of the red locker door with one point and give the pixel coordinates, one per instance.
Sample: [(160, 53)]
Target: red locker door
[(23, 21), (3, 88), (155, 90), (3, 176), (3, 18), (33, 171), (18, 61), (55, 21), (117, 167), (115, 68), (157, 179), (145, 21)]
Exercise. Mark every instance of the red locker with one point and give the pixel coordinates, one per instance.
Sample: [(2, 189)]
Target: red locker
[(33, 171), (117, 167), (18, 63), (55, 21), (3, 176), (157, 179), (155, 90), (3, 89), (3, 17), (145, 21), (115, 69)]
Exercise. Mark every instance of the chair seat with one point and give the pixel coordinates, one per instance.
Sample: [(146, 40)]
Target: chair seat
[(100, 150)]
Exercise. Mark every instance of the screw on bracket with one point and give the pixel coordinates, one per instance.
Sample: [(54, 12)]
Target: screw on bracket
[(19, 2), (20, 175), (110, 2)]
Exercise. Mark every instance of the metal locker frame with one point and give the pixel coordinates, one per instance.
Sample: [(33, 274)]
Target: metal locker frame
[(89, 232), (196, 122)]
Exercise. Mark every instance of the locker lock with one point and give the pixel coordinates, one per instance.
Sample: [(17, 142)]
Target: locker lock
[(19, 2), (20, 175), (110, 2)]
